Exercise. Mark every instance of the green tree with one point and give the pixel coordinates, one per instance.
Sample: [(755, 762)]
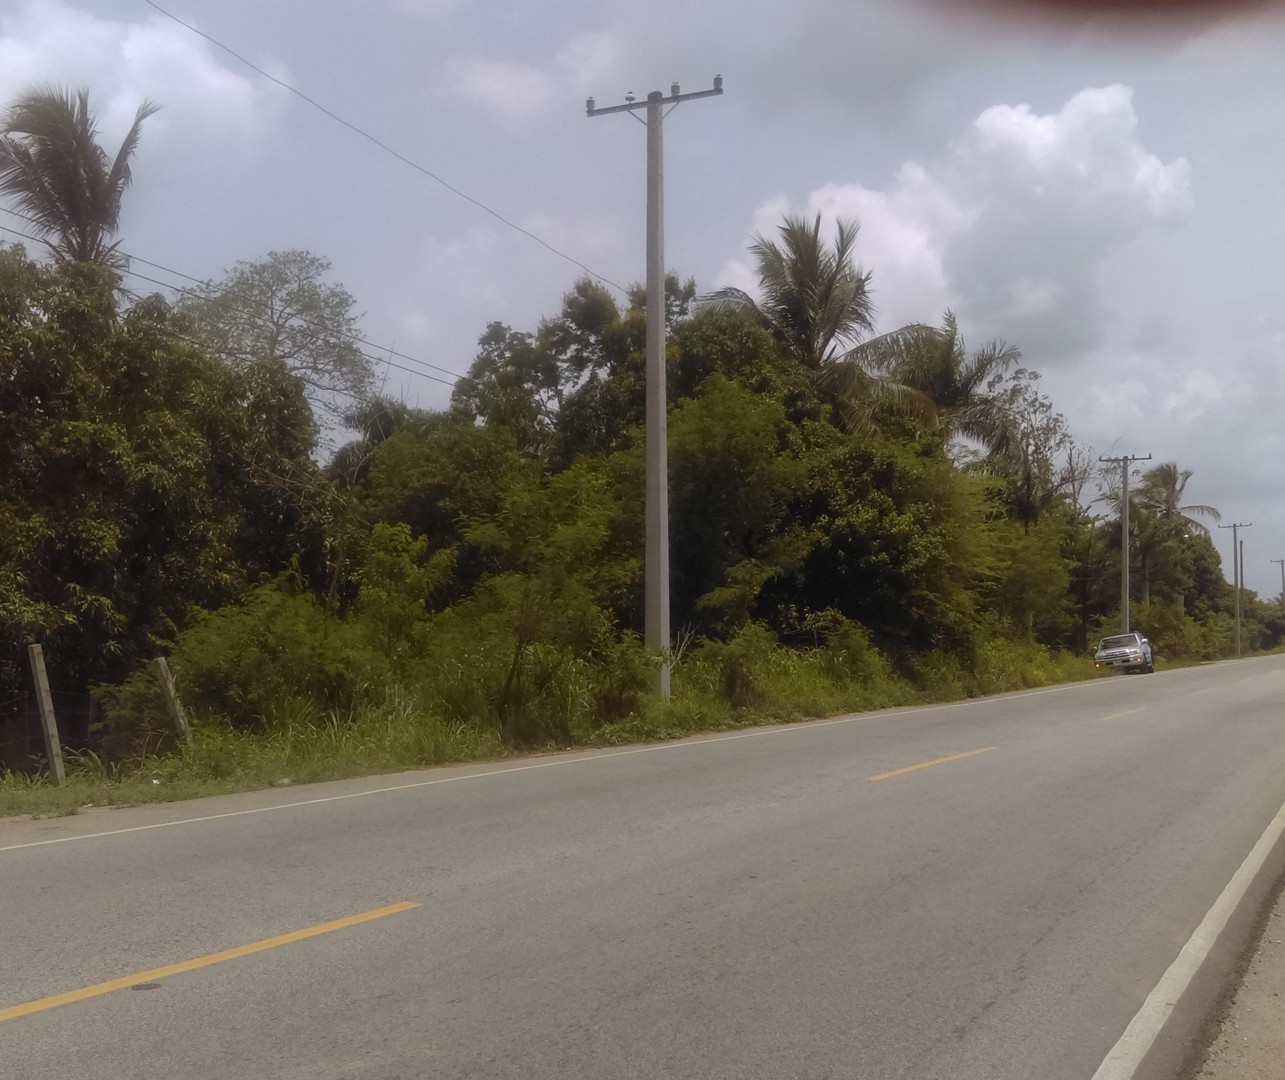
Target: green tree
[(281, 311), (67, 186), (1030, 586), (1162, 491), (1162, 529), (966, 390), (1036, 460), (733, 474), (516, 382), (439, 473), (141, 477), (1167, 528), (895, 542), (815, 299), (816, 303), (573, 385), (600, 352), (374, 420)]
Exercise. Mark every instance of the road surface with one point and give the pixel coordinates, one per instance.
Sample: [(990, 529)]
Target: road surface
[(989, 889)]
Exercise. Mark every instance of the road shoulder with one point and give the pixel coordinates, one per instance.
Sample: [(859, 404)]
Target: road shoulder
[(1250, 1044)]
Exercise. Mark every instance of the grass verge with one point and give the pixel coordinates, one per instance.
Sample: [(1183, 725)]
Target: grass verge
[(303, 744)]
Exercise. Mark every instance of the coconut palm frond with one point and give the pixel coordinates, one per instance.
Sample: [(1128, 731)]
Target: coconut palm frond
[(905, 354), (861, 396), (60, 179), (989, 362), (730, 298), (119, 176), (814, 299), (989, 422)]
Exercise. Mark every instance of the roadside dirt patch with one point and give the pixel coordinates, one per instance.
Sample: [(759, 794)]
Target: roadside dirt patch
[(1251, 1044)]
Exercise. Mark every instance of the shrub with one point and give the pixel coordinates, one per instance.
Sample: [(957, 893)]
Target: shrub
[(241, 665)]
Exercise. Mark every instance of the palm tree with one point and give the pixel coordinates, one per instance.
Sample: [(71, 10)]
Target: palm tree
[(1161, 492), (60, 179), (966, 390), (1167, 521), (816, 303), (1162, 522)]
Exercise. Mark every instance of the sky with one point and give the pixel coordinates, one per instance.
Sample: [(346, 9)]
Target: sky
[(1103, 192)]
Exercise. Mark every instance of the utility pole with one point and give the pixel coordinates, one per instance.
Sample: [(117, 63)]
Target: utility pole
[(656, 577), (1124, 461), (1237, 561), (1282, 564)]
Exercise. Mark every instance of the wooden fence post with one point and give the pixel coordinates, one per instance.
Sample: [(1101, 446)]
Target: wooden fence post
[(53, 748), (172, 704)]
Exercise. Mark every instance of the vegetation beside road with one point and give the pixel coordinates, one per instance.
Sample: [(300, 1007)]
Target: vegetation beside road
[(857, 519), (305, 745)]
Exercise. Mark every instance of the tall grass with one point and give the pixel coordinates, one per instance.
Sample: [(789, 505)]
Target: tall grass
[(749, 679), (301, 743)]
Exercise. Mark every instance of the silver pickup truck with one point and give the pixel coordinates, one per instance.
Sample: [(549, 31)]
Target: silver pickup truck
[(1129, 652)]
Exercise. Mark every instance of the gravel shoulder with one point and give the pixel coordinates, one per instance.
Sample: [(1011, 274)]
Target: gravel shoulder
[(1251, 1042)]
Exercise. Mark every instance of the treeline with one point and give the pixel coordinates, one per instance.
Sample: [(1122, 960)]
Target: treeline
[(854, 519)]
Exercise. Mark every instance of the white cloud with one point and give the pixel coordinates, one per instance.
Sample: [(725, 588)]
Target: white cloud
[(519, 90), (1012, 224), (124, 63), (451, 289), (1190, 394)]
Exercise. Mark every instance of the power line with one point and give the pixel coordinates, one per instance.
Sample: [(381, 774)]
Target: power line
[(356, 338), (369, 356), (335, 391), (348, 334), (388, 149), (356, 399)]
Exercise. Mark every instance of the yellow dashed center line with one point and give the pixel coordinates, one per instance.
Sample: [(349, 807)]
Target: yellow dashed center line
[(930, 764), (85, 992), (1127, 712)]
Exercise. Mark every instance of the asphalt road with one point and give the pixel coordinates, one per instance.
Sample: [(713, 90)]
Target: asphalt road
[(749, 906)]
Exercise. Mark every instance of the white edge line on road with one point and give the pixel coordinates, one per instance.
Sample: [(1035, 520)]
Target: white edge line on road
[(1127, 1054), (579, 759)]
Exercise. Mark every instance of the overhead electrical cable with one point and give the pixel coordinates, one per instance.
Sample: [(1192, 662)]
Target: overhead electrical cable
[(356, 338), (388, 149), (374, 358)]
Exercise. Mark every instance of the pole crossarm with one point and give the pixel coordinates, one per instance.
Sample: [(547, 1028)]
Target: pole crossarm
[(655, 98)]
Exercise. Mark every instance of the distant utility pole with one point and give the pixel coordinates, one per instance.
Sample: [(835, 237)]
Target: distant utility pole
[(656, 578), (1282, 565), (1237, 563), (1124, 462)]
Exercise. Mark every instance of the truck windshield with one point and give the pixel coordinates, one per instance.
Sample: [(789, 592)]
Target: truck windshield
[(1119, 640)]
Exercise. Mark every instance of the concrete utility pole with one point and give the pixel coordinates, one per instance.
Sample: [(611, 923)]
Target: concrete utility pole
[(656, 583), (1124, 461), (1240, 597), (1237, 562), (1282, 565)]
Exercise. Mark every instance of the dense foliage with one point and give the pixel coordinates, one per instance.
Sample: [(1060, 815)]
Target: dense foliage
[(472, 577), (139, 479)]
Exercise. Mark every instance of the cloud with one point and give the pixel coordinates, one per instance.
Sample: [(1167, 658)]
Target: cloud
[(1012, 224), (519, 91), (124, 63), (449, 290)]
